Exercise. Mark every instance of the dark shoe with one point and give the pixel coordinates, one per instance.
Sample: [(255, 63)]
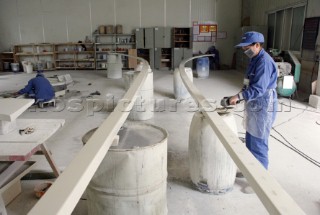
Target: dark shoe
[(239, 175)]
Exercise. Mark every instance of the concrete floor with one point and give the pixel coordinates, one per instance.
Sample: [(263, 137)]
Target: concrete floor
[(299, 125)]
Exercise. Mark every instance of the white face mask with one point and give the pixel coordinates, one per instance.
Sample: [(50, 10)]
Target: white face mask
[(249, 53)]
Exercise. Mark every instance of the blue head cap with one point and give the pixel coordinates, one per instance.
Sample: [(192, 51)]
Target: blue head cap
[(251, 37)]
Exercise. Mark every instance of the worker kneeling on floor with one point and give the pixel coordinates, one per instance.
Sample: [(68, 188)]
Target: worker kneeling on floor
[(38, 88)]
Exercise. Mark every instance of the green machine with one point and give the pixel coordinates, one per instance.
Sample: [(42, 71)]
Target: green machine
[(288, 70)]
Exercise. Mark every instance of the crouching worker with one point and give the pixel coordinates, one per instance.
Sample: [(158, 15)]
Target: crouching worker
[(38, 88)]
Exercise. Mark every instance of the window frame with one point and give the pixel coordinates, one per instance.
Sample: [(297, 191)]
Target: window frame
[(285, 26)]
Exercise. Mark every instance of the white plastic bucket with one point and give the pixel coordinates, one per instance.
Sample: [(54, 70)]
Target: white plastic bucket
[(203, 67), (211, 168), (15, 67), (180, 91), (29, 68), (132, 177), (24, 65), (49, 65)]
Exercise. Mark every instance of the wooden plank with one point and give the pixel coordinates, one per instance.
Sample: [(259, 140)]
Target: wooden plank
[(65, 193), (17, 151), (8, 173), (271, 194), (132, 62), (13, 188), (47, 154), (11, 192), (12, 108), (3, 210)]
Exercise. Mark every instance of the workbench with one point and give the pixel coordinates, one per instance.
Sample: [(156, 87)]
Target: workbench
[(17, 146)]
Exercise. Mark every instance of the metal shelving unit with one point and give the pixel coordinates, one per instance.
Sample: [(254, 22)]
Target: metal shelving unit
[(116, 43), (35, 53), (74, 55)]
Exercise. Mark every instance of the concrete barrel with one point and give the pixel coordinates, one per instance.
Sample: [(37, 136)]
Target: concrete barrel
[(143, 108), (132, 178), (114, 67), (180, 91), (211, 168)]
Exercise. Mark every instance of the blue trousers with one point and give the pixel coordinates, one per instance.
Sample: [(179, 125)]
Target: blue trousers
[(259, 148)]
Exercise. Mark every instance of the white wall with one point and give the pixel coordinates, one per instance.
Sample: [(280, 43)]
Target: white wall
[(229, 20), (36, 21)]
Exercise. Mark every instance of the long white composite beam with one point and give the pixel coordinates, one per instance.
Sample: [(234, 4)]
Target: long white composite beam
[(66, 191), (269, 191)]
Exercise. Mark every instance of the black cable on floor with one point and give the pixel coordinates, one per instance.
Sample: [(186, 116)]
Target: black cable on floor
[(315, 162), (306, 109), (290, 118), (290, 146)]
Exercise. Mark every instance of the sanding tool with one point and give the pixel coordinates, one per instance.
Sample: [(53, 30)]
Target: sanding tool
[(225, 102)]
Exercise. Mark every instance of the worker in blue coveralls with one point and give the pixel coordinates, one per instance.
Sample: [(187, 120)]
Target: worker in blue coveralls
[(259, 94), (38, 88)]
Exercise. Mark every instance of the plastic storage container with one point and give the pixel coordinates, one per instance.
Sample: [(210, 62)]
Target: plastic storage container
[(6, 65), (15, 67), (203, 67)]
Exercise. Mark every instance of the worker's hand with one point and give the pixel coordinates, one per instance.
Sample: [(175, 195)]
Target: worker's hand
[(233, 100)]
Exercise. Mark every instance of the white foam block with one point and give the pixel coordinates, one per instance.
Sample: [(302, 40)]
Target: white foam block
[(287, 82), (314, 101)]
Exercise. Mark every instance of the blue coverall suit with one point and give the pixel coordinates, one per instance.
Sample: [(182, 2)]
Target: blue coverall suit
[(39, 88), (261, 104)]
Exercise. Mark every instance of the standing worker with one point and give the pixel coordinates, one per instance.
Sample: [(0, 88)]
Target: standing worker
[(38, 88), (259, 94)]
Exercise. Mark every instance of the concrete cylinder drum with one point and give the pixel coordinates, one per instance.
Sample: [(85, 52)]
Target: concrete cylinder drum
[(143, 108), (180, 91), (132, 178), (211, 168), (114, 66)]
